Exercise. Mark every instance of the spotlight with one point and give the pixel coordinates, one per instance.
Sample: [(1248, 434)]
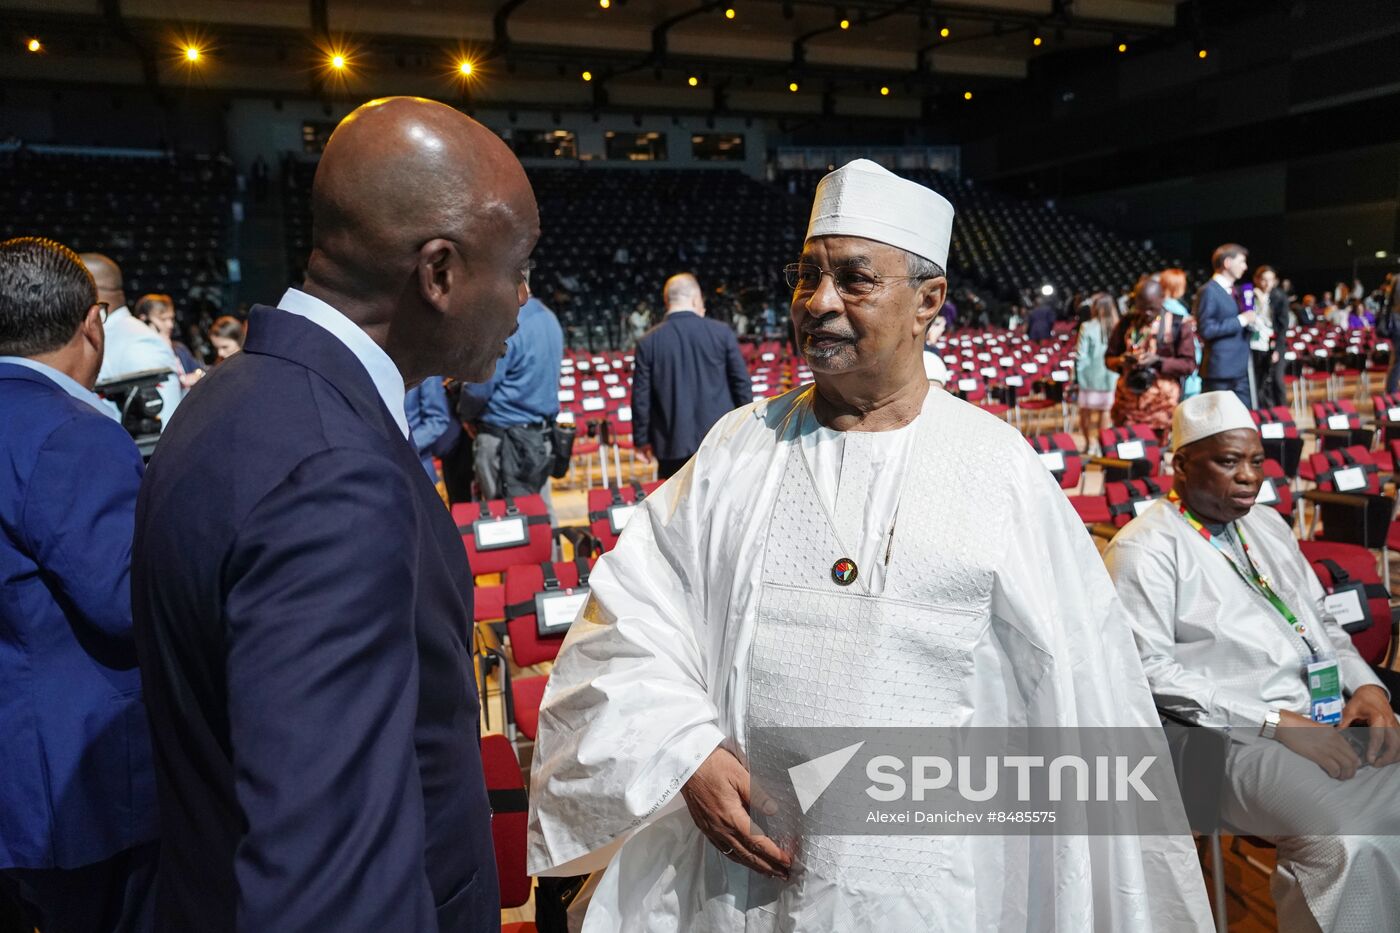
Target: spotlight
[(692, 81), (605, 3), (967, 95), (1122, 47), (1036, 41), (464, 68), (845, 24), (793, 87), (192, 54), (338, 61), (587, 76), (729, 13), (943, 33), (1201, 53), (884, 91), (34, 45), (1047, 289)]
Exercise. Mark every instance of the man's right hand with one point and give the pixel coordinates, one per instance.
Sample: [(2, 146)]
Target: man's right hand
[(1248, 318), (1321, 744), (718, 797), (644, 453)]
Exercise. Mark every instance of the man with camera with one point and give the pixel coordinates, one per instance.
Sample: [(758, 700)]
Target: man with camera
[(77, 844), (1153, 351)]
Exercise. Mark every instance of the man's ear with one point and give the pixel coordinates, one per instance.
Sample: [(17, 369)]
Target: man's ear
[(931, 295), (436, 272), (91, 328)]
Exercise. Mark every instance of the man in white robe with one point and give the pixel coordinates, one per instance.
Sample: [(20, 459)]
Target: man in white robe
[(1218, 652), (868, 552)]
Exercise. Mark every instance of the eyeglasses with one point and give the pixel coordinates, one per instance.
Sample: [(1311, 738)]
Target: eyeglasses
[(102, 311), (806, 277)]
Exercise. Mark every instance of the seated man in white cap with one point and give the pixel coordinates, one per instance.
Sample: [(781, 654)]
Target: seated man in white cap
[(863, 553), (1234, 634)]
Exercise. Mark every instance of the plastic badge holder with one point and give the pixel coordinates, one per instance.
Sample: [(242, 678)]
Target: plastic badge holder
[(593, 403), (1392, 414), (555, 610), (566, 395), (617, 392), (494, 534), (986, 358), (619, 515), (1349, 479), (590, 385), (1060, 376), (1029, 367), (567, 381), (1347, 604), (624, 414), (611, 379), (1054, 460), (1015, 381), (1131, 450), (967, 385), (1007, 361), (1271, 430), (989, 372), (1268, 495), (1338, 422), (1141, 505)]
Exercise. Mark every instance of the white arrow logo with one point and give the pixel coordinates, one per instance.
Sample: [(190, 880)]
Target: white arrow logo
[(811, 778)]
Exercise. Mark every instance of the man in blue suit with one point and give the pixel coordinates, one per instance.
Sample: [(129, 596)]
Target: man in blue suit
[(1224, 328), (687, 373), (307, 661), (77, 791)]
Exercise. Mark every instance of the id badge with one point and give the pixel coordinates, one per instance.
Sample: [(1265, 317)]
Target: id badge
[(1325, 691)]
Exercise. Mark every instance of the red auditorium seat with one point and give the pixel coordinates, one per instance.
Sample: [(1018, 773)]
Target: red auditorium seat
[(1127, 500), (1129, 452), (1062, 458), (608, 510), (509, 532), (561, 586), (505, 789), (1386, 409), (1338, 425), (1352, 563), (1275, 490), (1281, 440)]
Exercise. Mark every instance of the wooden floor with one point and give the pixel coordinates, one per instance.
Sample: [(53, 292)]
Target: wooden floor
[(1247, 867)]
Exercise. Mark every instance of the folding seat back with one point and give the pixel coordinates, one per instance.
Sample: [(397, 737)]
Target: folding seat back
[(1135, 442), (1387, 411), (1127, 499), (1366, 616), (1279, 433), (1348, 470), (1339, 425), (504, 532), (609, 510), (505, 789), (541, 603), (1061, 457)]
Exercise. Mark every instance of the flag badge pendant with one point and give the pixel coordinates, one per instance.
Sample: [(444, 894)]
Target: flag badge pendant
[(844, 572)]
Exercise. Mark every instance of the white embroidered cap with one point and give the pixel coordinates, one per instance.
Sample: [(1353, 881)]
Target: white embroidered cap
[(866, 200), (1205, 415)]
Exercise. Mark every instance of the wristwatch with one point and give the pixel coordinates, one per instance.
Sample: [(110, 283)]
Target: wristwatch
[(1271, 719)]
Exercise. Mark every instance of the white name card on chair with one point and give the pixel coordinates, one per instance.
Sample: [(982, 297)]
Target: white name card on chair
[(566, 395), (768, 357), (1131, 450), (1060, 375), (967, 385), (968, 365), (1268, 495), (611, 379), (617, 391), (1042, 358), (1349, 479), (1290, 356), (1271, 430), (555, 611), (1141, 505), (624, 414), (989, 372), (584, 365), (565, 417), (567, 381), (760, 387), (590, 385), (1054, 460), (1329, 344), (1015, 381), (494, 533), (1345, 606), (1392, 414), (1007, 361), (986, 358), (1029, 367), (594, 403), (619, 516), (1338, 422)]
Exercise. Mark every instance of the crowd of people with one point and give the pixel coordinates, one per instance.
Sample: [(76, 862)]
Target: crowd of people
[(237, 684)]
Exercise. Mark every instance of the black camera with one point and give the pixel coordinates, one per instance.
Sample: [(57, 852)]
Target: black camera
[(136, 398), (1140, 378)]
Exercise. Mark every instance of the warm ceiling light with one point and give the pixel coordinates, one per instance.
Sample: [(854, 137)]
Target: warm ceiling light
[(943, 33), (845, 24), (967, 95), (729, 13), (337, 61), (1122, 46), (1200, 53), (692, 81), (191, 54), (34, 45), (588, 76), (464, 68), (793, 87), (605, 3), (1036, 41), (884, 92)]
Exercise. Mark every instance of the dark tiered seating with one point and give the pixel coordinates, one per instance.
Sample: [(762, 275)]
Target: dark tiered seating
[(165, 220)]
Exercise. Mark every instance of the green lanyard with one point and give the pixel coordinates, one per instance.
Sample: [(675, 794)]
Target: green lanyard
[(1256, 580)]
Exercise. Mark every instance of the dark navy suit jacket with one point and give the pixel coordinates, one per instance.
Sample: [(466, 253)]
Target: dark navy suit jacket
[(686, 374), (76, 782), (307, 671), (1226, 351)]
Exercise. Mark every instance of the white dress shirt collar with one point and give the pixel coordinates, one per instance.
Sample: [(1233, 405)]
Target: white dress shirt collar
[(382, 372), (65, 382)]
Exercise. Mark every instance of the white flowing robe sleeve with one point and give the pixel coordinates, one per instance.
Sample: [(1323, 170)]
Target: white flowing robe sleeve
[(1051, 587), (627, 716)]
